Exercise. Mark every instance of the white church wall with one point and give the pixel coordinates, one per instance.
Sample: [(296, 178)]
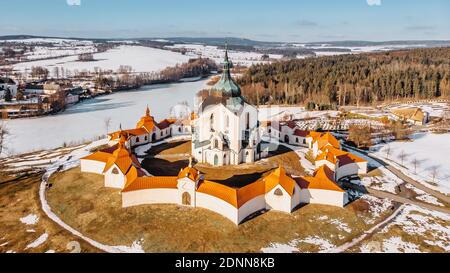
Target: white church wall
[(351, 169), (324, 197), (254, 205), (115, 181), (92, 166), (320, 163), (218, 206), (281, 203), (150, 196)]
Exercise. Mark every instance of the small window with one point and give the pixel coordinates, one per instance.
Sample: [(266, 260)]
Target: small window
[(278, 192), (296, 140), (146, 138), (137, 139), (115, 171), (179, 130), (270, 131)]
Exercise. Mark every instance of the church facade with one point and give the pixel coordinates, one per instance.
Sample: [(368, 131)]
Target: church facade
[(226, 131)]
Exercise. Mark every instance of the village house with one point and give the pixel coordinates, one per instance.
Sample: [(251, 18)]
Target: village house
[(5, 84), (414, 116)]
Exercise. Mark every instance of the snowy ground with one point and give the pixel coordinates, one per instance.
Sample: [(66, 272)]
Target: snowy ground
[(216, 54), (419, 229), (141, 59), (431, 151), (435, 109), (85, 121)]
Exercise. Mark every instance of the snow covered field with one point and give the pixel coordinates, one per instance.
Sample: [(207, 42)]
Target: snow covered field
[(431, 151), (141, 59), (216, 54), (85, 121)]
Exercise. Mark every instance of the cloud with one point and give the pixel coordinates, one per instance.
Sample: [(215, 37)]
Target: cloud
[(74, 2), (374, 2), (305, 23)]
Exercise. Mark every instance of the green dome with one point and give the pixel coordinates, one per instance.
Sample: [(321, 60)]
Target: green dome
[(226, 84)]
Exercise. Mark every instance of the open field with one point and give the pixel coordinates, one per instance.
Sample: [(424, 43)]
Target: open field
[(23, 225), (82, 202)]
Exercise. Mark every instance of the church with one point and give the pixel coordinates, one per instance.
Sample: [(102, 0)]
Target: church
[(226, 131)]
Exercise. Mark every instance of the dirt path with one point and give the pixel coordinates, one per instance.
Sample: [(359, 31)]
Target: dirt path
[(367, 234)]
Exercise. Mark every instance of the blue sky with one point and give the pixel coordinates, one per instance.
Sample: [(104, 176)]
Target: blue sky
[(268, 20)]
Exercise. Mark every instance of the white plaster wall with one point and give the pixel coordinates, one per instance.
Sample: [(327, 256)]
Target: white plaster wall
[(351, 169), (218, 206), (279, 203), (324, 197), (256, 204), (116, 181), (150, 196), (320, 163), (296, 198), (91, 166)]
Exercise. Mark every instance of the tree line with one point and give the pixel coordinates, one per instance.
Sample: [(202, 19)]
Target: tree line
[(333, 81)]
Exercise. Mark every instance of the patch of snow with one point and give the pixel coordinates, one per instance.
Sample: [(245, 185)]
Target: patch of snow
[(39, 241), (322, 243), (136, 247), (31, 219), (281, 248), (418, 221), (397, 245), (342, 226), (50, 251), (427, 198)]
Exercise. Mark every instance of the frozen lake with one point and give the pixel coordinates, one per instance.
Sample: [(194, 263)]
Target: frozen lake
[(85, 121)]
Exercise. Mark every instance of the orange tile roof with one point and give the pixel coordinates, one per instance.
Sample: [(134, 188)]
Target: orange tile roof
[(315, 135), (301, 133), (328, 139), (250, 191), (279, 177), (152, 182), (189, 172), (98, 156), (322, 180), (220, 191), (349, 159), (166, 123), (330, 157), (121, 158), (147, 122)]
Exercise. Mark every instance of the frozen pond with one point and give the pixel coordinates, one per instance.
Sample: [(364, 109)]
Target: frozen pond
[(85, 121)]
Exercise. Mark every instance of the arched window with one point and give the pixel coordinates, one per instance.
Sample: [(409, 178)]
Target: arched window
[(296, 139), (179, 129), (247, 121), (304, 141), (246, 153), (115, 171), (211, 122), (278, 192), (146, 138), (270, 131), (137, 139), (186, 199), (162, 133)]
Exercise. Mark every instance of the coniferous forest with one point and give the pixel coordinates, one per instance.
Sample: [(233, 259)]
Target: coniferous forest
[(371, 78)]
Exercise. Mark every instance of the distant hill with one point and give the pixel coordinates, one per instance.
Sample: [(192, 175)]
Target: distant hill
[(220, 41)]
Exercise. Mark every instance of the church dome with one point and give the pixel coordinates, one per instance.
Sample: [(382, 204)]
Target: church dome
[(226, 85)]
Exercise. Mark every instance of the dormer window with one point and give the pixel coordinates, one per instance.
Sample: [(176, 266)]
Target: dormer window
[(278, 192)]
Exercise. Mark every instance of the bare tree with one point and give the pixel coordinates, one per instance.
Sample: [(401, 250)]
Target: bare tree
[(415, 163), (388, 151), (107, 123), (402, 156), (4, 132), (434, 172)]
